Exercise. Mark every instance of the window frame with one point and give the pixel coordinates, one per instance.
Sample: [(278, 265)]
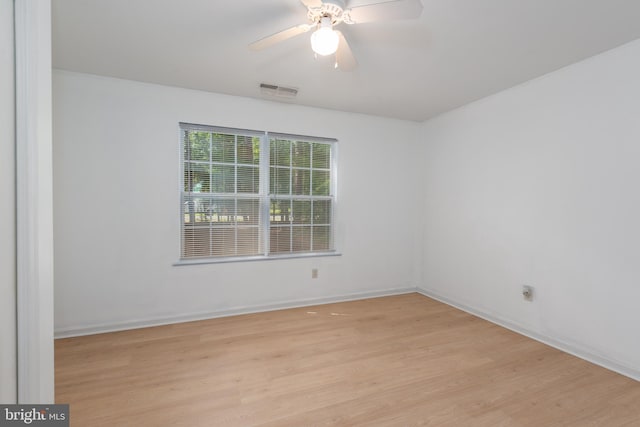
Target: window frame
[(264, 195)]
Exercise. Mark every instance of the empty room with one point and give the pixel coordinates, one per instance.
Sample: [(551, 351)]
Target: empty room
[(320, 212)]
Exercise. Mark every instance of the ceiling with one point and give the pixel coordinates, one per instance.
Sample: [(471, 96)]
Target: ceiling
[(457, 52)]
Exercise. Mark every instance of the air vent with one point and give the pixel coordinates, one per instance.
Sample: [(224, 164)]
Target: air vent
[(278, 91)]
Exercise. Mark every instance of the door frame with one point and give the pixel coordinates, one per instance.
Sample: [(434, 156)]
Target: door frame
[(34, 201)]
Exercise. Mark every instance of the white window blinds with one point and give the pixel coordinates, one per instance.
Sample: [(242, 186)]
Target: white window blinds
[(248, 193), (300, 212)]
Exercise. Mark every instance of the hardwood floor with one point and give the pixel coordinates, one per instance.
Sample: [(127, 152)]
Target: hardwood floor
[(403, 360)]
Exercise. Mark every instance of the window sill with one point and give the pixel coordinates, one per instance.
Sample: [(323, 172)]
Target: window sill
[(223, 260)]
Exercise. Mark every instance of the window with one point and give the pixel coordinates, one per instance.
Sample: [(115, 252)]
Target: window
[(255, 194)]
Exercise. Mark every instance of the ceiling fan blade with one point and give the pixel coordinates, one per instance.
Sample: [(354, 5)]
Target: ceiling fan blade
[(345, 60), (279, 37), (312, 3), (386, 11)]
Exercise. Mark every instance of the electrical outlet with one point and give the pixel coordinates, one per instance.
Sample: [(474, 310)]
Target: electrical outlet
[(527, 293), (314, 273)]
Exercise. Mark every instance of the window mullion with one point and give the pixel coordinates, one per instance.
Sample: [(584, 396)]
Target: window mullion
[(311, 194), (311, 227), (211, 242), (265, 201), (235, 193), (291, 195)]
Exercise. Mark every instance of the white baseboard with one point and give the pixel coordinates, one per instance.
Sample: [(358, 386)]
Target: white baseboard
[(558, 344), (159, 321)]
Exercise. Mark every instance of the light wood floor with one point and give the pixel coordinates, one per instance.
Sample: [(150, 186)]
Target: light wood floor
[(395, 361)]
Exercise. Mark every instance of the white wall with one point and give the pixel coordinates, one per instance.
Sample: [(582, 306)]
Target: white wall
[(8, 372), (539, 185), (116, 169)]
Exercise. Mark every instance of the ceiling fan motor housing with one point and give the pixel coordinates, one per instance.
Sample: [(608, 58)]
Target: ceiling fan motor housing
[(329, 8)]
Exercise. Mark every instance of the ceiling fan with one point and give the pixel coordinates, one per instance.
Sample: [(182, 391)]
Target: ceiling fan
[(325, 15)]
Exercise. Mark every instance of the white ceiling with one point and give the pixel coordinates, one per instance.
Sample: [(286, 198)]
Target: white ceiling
[(457, 52)]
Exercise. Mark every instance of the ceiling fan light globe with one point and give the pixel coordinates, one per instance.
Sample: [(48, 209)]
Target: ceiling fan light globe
[(324, 41)]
